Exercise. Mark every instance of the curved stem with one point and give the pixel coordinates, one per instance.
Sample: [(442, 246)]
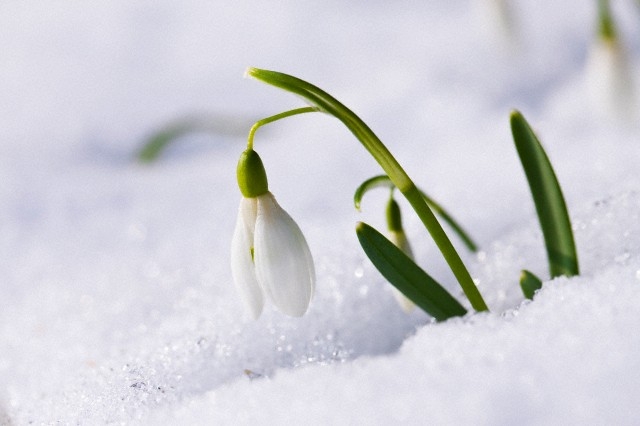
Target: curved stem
[(390, 165), (606, 25), (374, 182), (438, 209), (383, 180), (273, 118)]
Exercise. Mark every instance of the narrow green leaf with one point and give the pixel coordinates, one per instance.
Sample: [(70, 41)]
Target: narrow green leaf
[(455, 226), (548, 199), (529, 283), (606, 25), (369, 184), (385, 181), (155, 144), (406, 276)]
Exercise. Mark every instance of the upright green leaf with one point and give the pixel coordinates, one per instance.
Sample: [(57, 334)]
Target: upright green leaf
[(606, 24), (548, 199), (529, 283), (406, 276)]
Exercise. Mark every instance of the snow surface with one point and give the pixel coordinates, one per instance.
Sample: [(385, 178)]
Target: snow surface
[(116, 300)]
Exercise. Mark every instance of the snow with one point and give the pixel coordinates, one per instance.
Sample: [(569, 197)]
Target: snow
[(116, 302)]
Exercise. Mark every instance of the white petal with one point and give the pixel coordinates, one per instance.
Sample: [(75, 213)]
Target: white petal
[(242, 266), (399, 239), (502, 15), (405, 303), (284, 266), (610, 80)]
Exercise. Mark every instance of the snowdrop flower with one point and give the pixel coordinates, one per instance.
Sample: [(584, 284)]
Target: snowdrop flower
[(499, 24), (502, 14), (396, 235), (608, 71), (610, 80), (269, 255)]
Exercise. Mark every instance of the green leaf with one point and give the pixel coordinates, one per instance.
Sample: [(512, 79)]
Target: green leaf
[(384, 181), (529, 284), (455, 226), (606, 24), (381, 181), (155, 144), (548, 199), (406, 276)]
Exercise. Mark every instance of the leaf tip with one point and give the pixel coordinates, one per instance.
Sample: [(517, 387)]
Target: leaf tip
[(360, 227), (529, 284), (253, 72), (515, 115)]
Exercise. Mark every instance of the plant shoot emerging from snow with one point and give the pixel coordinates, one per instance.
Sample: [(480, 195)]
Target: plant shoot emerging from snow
[(270, 256), (405, 283)]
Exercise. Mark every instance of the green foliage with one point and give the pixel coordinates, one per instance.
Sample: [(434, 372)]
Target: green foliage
[(406, 276), (395, 265), (548, 199), (529, 284), (324, 102), (157, 143), (606, 25), (384, 181)]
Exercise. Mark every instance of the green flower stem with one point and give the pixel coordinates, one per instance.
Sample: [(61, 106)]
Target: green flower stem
[(390, 165), (606, 25), (273, 118), (464, 236), (414, 196), (383, 180)]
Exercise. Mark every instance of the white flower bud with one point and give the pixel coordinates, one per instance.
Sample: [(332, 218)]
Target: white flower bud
[(270, 256)]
